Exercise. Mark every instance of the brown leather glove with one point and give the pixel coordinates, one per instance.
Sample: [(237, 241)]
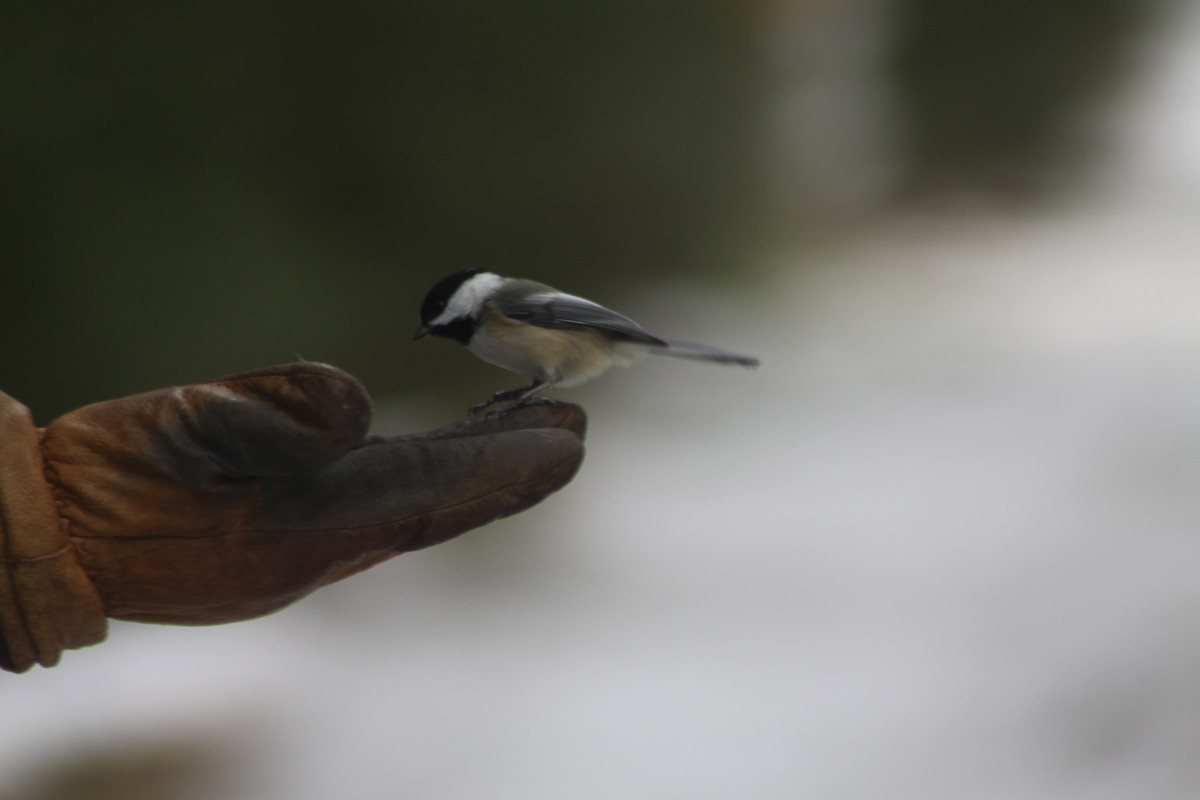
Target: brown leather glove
[(227, 500)]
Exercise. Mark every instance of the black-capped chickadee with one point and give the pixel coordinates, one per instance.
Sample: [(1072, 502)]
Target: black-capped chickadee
[(532, 329)]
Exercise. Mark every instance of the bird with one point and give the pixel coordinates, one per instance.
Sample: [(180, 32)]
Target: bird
[(550, 337)]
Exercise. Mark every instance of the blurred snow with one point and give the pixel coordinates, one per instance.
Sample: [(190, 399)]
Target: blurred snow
[(943, 544)]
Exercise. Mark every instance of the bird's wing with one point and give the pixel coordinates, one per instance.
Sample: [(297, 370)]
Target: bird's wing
[(557, 310)]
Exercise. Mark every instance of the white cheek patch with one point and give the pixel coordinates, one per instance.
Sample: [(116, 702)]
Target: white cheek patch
[(467, 300)]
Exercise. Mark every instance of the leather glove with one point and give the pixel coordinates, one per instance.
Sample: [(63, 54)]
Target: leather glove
[(230, 499)]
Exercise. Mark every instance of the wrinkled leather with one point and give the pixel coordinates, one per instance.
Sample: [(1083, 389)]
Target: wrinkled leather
[(227, 500), (47, 603)]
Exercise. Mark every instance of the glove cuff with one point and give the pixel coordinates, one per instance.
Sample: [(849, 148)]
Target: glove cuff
[(47, 602)]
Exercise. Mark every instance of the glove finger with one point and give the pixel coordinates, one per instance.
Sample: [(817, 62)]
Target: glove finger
[(566, 416), (276, 421), (419, 493)]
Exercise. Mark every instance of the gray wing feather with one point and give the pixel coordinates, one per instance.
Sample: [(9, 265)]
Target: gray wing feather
[(567, 311)]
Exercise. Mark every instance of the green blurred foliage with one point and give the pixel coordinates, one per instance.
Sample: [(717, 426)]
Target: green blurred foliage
[(993, 91), (163, 769)]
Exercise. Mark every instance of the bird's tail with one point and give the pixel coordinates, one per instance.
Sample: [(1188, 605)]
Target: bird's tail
[(702, 352)]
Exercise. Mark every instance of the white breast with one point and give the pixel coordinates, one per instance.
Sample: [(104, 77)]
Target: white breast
[(503, 352), (565, 357)]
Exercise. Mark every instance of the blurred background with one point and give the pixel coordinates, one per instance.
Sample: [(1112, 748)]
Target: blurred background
[(943, 544)]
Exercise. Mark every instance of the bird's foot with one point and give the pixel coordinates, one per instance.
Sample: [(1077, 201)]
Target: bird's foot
[(523, 402)]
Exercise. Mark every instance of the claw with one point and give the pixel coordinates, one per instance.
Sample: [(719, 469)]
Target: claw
[(523, 402), (519, 397)]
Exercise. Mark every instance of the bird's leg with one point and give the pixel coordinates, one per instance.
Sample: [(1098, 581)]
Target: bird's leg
[(518, 396)]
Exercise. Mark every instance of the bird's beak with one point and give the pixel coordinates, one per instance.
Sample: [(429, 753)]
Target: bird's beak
[(421, 333)]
